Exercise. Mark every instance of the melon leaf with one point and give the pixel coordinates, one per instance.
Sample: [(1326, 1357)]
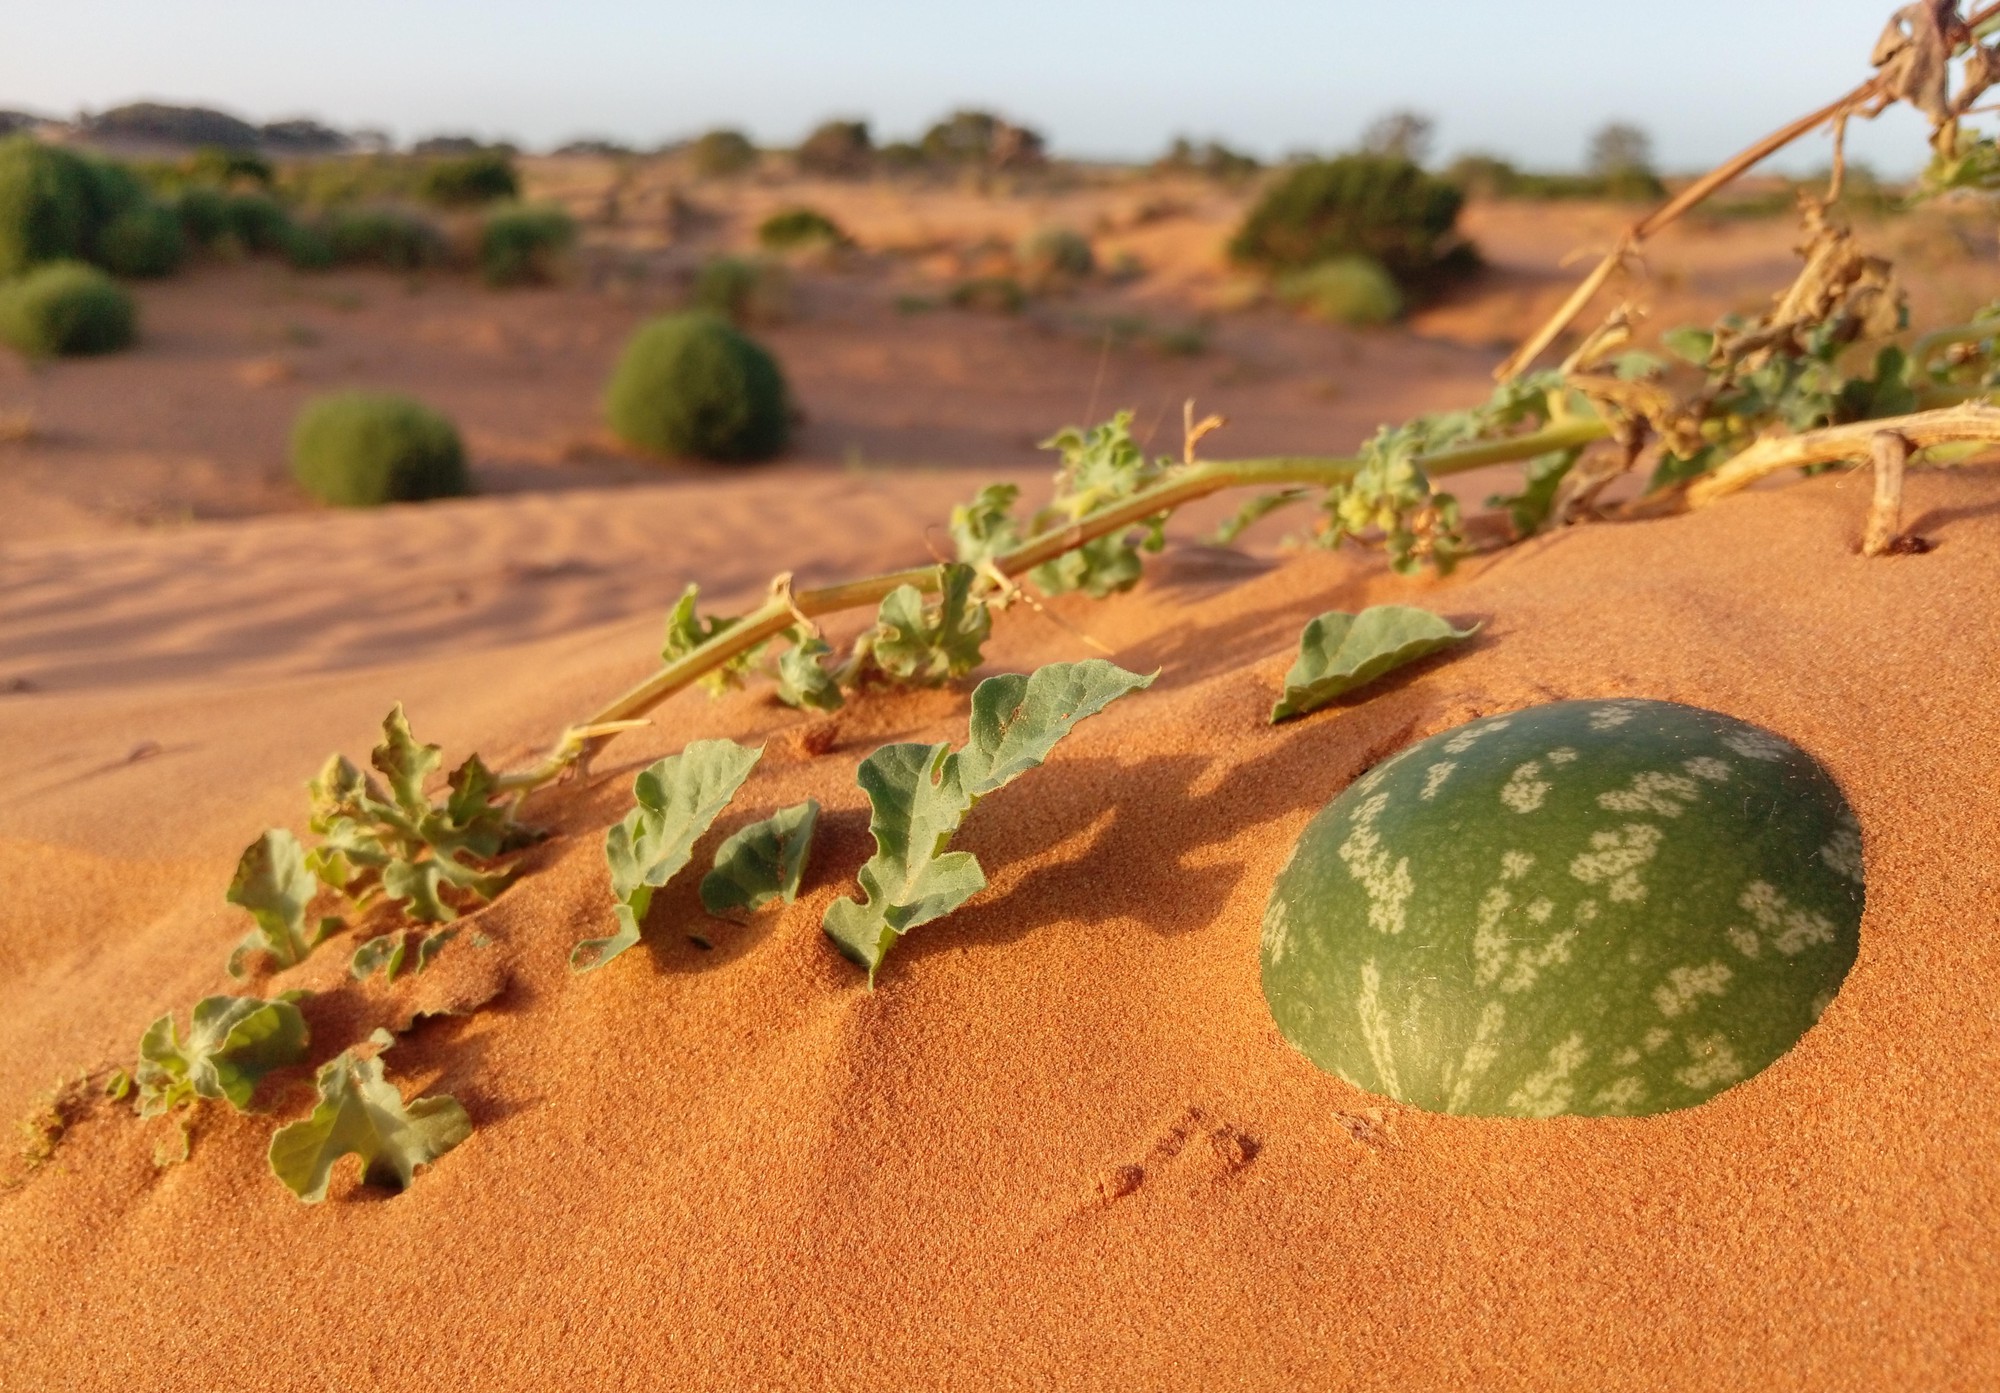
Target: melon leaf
[(1339, 652), (762, 862), (678, 798), (360, 1113), (687, 630), (985, 527), (383, 953), (930, 643), (918, 796), (802, 682), (232, 1042), (274, 883)]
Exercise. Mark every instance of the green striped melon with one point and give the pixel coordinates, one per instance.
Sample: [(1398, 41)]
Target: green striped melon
[(1590, 907)]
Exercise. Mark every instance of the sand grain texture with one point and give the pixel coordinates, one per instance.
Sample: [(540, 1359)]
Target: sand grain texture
[(1062, 1145)]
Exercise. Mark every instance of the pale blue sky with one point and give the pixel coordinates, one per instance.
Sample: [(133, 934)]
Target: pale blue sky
[(1525, 78)]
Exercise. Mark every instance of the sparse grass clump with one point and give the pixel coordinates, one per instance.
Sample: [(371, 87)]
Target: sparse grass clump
[(143, 242), (66, 308), (358, 449), (743, 291), (1376, 206), (1352, 290), (797, 228), (470, 180), (1056, 256), (692, 385), (385, 237), (992, 294), (523, 246)]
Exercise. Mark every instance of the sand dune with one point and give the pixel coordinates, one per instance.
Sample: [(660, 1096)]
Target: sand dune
[(1062, 1144)]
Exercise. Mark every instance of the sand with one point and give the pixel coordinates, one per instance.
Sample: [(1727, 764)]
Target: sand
[(1061, 1144)]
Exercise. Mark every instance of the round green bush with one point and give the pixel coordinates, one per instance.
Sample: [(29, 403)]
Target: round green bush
[(308, 248), (259, 222), (66, 307), (522, 246), (469, 180), (143, 242), (692, 385), (793, 228), (45, 205), (1056, 254), (1376, 206), (1351, 290), (992, 294), (718, 154), (114, 193), (204, 214), (358, 449), (1590, 907)]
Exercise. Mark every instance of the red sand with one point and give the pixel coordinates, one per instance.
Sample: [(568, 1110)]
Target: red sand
[(1062, 1144)]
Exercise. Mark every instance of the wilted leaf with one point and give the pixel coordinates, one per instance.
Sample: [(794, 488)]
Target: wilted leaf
[(803, 682), (688, 630), (362, 1114), (1340, 652), (919, 794), (273, 882), (232, 1042), (761, 862), (678, 798), (985, 527), (383, 953), (919, 641)]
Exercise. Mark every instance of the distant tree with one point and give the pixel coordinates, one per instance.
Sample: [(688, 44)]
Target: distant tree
[(1402, 135), (981, 138), (1209, 157), (1618, 147), (718, 154), (304, 136), (160, 124), (840, 149)]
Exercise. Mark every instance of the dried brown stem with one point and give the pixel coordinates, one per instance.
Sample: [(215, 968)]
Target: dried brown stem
[(1891, 453), (1973, 423), (1838, 111)]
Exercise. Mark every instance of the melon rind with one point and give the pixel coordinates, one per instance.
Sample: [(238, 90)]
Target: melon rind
[(1589, 907)]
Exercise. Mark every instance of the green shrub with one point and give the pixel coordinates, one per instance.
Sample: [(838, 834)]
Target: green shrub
[(308, 248), (216, 164), (487, 177), (66, 307), (204, 214), (114, 190), (259, 222), (385, 237), (994, 294), (1351, 290), (690, 384), (141, 242), (719, 154), (521, 246), (743, 292), (1358, 205), (1055, 255), (45, 205), (358, 449), (799, 227)]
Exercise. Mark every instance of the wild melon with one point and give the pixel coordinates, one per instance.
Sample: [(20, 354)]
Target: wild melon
[(1590, 907)]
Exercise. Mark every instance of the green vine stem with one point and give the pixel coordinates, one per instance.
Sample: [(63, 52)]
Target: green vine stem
[(787, 607)]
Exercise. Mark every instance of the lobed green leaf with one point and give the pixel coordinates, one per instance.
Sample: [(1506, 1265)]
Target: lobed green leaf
[(232, 1042), (916, 640), (762, 862), (1339, 652), (688, 630), (918, 795), (678, 798), (803, 682), (360, 1113), (274, 883)]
